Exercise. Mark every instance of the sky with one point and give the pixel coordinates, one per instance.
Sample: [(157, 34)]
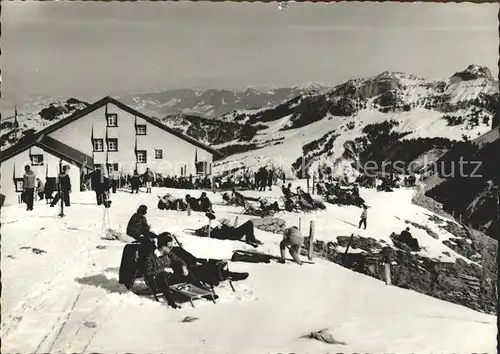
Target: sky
[(91, 49)]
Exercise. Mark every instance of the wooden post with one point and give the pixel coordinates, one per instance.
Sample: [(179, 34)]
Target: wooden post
[(311, 240), (209, 227), (188, 208), (314, 183), (300, 223), (236, 221), (307, 179), (460, 218)]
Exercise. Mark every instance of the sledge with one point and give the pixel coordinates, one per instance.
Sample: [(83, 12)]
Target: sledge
[(271, 257), (192, 292)]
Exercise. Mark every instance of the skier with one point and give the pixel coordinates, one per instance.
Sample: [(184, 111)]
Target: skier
[(64, 182), (293, 240), (364, 215)]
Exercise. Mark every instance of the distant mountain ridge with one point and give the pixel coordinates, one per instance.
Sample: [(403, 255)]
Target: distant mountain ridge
[(213, 103)]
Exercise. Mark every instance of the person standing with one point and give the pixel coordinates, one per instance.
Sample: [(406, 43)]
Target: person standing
[(115, 180), (100, 184), (40, 186), (270, 179), (135, 182), (64, 183), (29, 187), (364, 215), (293, 240), (148, 178), (263, 181), (386, 264)]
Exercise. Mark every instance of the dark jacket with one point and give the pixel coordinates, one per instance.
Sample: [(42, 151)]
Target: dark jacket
[(205, 204), (64, 181), (98, 181), (135, 180), (137, 226)]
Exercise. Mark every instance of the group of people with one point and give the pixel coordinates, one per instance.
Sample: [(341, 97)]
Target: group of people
[(163, 265), (299, 200), (334, 194), (33, 186), (168, 202)]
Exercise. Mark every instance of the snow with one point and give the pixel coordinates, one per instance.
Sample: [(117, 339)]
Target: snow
[(420, 122), (68, 299)]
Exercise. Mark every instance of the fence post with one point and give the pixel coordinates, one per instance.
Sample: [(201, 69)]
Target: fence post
[(236, 221), (311, 240), (314, 183), (307, 179), (300, 223), (188, 208)]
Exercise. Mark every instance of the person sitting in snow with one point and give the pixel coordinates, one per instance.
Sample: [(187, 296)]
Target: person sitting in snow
[(287, 191), (205, 203), (200, 271), (193, 203), (293, 240), (138, 227), (227, 232), (158, 268), (267, 207), (165, 202), (168, 202)]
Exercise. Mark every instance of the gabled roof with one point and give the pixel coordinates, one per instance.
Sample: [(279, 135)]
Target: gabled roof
[(27, 142)]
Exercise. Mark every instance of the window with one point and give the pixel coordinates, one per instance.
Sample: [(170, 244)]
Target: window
[(141, 156), (201, 167), (158, 154), (98, 144), (112, 119), (112, 167), (140, 129), (19, 184), (113, 144), (36, 160)]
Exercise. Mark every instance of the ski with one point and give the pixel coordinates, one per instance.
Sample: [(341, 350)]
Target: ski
[(276, 258)]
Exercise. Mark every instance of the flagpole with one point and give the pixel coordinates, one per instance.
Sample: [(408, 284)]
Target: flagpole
[(59, 189)]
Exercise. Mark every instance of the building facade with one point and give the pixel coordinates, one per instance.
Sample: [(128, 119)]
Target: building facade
[(106, 132)]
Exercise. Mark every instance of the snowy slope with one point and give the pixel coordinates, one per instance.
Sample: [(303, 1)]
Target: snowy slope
[(454, 109), (68, 299)]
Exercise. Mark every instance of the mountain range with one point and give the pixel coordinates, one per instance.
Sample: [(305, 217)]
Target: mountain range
[(391, 116)]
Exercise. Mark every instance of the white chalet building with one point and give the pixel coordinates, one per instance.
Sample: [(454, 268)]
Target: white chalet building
[(106, 132)]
